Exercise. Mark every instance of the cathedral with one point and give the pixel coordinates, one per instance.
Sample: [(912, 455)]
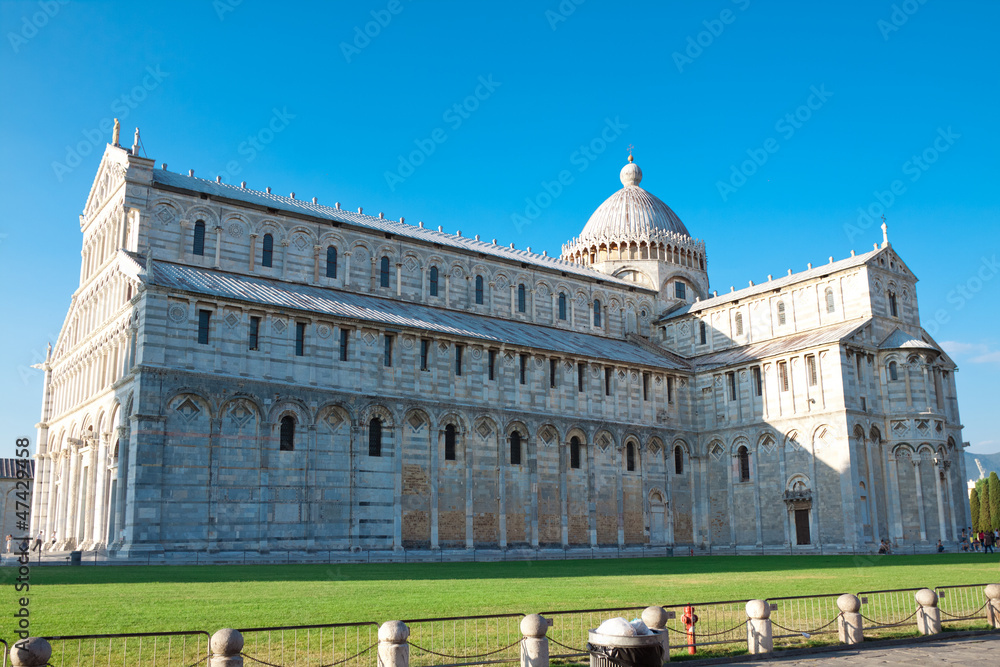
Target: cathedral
[(241, 371)]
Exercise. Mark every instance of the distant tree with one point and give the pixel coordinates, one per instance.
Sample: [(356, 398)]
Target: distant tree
[(974, 509), (994, 501), (985, 520)]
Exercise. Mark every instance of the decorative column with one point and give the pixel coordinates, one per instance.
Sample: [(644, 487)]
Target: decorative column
[(849, 623), (920, 498), (284, 257), (893, 485), (393, 649), (347, 268), (399, 281), (218, 246), (938, 474), (253, 251), (928, 616), (316, 250), (619, 495), (951, 500), (759, 638)]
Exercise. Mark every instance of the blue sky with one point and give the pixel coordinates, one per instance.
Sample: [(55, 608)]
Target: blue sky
[(769, 127)]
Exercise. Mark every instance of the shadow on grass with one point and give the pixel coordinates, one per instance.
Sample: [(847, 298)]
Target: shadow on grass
[(478, 571)]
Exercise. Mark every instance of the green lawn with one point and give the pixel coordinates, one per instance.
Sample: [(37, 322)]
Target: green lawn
[(87, 600)]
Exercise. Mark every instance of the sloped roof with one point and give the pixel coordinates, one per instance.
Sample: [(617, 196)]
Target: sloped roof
[(771, 285), (384, 225), (8, 469), (778, 346), (391, 313), (900, 340)]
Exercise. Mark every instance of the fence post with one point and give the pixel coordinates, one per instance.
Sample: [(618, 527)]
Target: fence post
[(655, 618), (393, 649), (227, 648), (849, 624), (30, 652), (759, 639), (534, 645), (993, 606), (928, 616)]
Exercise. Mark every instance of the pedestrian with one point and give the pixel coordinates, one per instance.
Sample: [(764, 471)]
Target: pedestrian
[(940, 547), (988, 541), (9, 538), (38, 542)]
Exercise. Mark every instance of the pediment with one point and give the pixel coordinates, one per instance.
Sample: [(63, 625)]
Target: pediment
[(110, 178)]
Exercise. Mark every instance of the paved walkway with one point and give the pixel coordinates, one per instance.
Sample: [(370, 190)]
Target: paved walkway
[(966, 651)]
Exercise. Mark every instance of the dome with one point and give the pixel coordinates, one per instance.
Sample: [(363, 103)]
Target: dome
[(632, 213)]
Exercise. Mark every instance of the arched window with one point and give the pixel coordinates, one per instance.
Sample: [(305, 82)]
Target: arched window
[(434, 281), (597, 312), (781, 313), (744, 456), (199, 238), (678, 460), (893, 372), (287, 439), (893, 309), (703, 332), (521, 299), (479, 290), (515, 448), (739, 324), (384, 272), (331, 262), (830, 305), (375, 437), (449, 442), (562, 305), (574, 452), (267, 251), (630, 457)]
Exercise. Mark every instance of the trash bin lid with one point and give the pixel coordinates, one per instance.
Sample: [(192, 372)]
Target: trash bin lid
[(598, 639)]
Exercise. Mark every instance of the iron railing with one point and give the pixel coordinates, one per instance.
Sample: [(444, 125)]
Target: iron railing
[(148, 649), (465, 640), (348, 644)]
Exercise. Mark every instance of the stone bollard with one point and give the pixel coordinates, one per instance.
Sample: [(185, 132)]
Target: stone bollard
[(534, 646), (655, 618), (30, 652), (928, 616), (993, 606), (849, 624), (227, 647), (393, 649), (759, 639)]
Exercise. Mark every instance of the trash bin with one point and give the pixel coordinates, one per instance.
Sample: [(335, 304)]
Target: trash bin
[(612, 651), (75, 557)]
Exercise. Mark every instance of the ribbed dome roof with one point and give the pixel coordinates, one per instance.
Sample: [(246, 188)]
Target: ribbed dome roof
[(631, 212)]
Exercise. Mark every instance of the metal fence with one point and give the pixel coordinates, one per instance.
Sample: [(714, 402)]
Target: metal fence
[(348, 644), (798, 619), (962, 607), (460, 641), (465, 640), (886, 612), (148, 649)]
